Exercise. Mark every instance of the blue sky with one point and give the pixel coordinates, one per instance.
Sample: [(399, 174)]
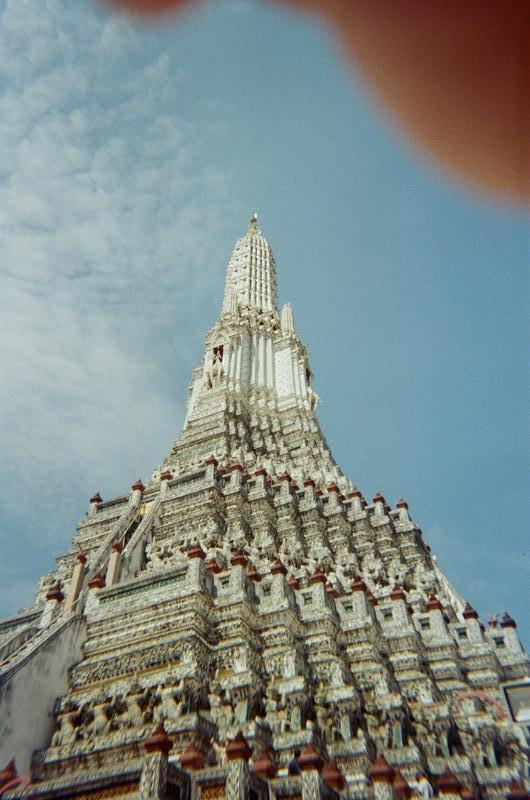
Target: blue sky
[(132, 158)]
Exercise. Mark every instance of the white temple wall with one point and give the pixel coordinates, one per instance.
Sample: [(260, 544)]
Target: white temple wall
[(245, 353), (270, 378), (28, 696), (296, 374), (284, 372)]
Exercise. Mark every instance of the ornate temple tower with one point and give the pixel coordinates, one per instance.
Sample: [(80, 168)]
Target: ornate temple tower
[(247, 625)]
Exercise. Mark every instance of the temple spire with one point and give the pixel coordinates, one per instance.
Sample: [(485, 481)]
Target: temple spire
[(251, 274), (249, 549)]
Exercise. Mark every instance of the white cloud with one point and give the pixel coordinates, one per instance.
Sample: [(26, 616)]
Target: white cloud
[(104, 192)]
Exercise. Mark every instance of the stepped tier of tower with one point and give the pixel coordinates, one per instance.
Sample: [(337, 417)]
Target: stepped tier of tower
[(248, 603)]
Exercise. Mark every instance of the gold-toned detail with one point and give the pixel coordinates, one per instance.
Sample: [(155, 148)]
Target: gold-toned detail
[(213, 792), (121, 790)]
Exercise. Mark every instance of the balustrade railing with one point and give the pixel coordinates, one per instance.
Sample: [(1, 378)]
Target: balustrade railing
[(133, 551), (115, 534), (42, 638)]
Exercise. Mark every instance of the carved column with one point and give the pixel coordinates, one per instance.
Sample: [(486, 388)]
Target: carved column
[(436, 618), (511, 640), (311, 763), (474, 630), (137, 493), (238, 572), (403, 508), (379, 505), (165, 477), (76, 582), (356, 498), (113, 569), (382, 776), (94, 503), (196, 574), (236, 476), (281, 591), (310, 498), (54, 598), (95, 583), (211, 469), (401, 616), (237, 780), (153, 780), (321, 599), (362, 611)]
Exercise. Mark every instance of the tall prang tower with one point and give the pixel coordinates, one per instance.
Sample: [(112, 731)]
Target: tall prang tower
[(247, 626)]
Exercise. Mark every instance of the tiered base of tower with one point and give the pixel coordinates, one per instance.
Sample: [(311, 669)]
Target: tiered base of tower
[(239, 608)]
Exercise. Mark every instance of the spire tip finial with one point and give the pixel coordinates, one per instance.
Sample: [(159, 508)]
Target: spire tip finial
[(253, 227)]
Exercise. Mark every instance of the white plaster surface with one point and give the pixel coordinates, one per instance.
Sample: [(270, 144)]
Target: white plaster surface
[(28, 694)]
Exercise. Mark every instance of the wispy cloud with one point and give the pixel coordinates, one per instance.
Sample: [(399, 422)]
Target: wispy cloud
[(104, 188)]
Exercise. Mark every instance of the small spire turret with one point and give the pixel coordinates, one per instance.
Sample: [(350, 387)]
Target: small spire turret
[(287, 319)]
